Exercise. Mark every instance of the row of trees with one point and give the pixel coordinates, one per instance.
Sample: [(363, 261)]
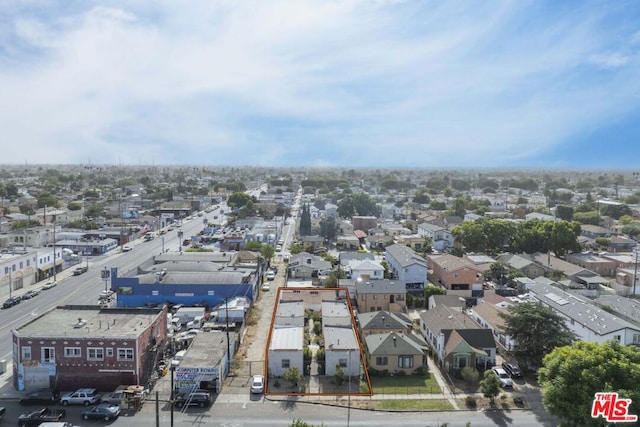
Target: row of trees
[(497, 235)]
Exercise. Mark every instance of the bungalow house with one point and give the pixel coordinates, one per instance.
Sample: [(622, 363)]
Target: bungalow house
[(379, 295), (454, 273), (285, 349), (407, 266), (383, 322), (307, 266), (456, 340), (396, 352), (621, 244), (348, 242), (524, 265)]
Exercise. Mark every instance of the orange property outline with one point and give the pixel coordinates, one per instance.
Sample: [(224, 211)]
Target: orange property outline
[(353, 326)]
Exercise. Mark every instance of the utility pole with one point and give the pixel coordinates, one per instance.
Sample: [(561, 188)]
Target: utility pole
[(635, 270), (55, 268), (226, 305)]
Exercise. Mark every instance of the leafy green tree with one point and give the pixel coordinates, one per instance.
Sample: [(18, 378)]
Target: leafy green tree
[(296, 248), (74, 206), (438, 205), (564, 212), (490, 385), (430, 290), (305, 221), (267, 252), (563, 236), (49, 200), (571, 376), (616, 211), (536, 330), (470, 374), (26, 210), (588, 217), (329, 228), (253, 245), (239, 200), (294, 377)]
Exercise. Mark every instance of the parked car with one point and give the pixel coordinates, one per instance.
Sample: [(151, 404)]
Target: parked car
[(199, 398), (40, 397), (50, 284), (503, 377), (126, 248), (270, 275), (35, 418), (257, 384), (177, 358), (11, 301), (79, 270), (266, 286), (83, 396), (512, 369), (103, 411), (30, 294)]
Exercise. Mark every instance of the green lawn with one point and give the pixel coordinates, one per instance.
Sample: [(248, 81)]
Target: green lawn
[(413, 405), (409, 384)]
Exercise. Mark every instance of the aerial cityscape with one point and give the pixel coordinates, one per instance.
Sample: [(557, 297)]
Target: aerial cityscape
[(459, 294), (313, 213)]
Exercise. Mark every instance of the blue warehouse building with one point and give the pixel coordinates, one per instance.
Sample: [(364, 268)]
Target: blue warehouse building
[(198, 278)]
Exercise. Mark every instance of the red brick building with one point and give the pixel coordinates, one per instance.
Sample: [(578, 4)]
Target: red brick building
[(70, 347)]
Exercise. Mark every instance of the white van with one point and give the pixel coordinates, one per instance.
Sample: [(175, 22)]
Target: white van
[(177, 358), (196, 323)]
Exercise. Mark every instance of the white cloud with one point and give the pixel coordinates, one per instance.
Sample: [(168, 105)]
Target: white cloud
[(315, 82)]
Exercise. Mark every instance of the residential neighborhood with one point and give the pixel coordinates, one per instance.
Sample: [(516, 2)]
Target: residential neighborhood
[(357, 291)]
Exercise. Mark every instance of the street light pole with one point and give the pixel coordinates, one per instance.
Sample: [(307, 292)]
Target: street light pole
[(54, 249)]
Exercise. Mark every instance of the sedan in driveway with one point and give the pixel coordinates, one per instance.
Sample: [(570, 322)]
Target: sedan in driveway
[(103, 411)]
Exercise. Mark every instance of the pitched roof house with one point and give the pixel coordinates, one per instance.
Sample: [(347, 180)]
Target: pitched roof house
[(396, 352)]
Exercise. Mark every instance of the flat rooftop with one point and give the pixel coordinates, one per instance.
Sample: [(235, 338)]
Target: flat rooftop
[(89, 322), (206, 350)]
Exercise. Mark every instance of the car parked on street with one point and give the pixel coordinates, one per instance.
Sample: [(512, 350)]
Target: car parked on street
[(513, 369), (200, 398), (270, 275), (11, 301), (80, 270), (257, 384), (40, 397), (82, 396), (103, 411), (50, 284), (30, 294)]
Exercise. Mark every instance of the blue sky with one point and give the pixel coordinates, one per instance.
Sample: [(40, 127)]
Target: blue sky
[(355, 83)]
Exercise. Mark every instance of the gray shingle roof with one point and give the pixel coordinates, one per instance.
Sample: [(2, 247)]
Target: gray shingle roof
[(405, 256), (393, 343)]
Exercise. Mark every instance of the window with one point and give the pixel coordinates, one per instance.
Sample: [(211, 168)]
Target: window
[(125, 354), (109, 352), (72, 352), (48, 355), (342, 363), (26, 353), (21, 265), (617, 337), (382, 360), (286, 363), (95, 353), (405, 362), (636, 338)]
